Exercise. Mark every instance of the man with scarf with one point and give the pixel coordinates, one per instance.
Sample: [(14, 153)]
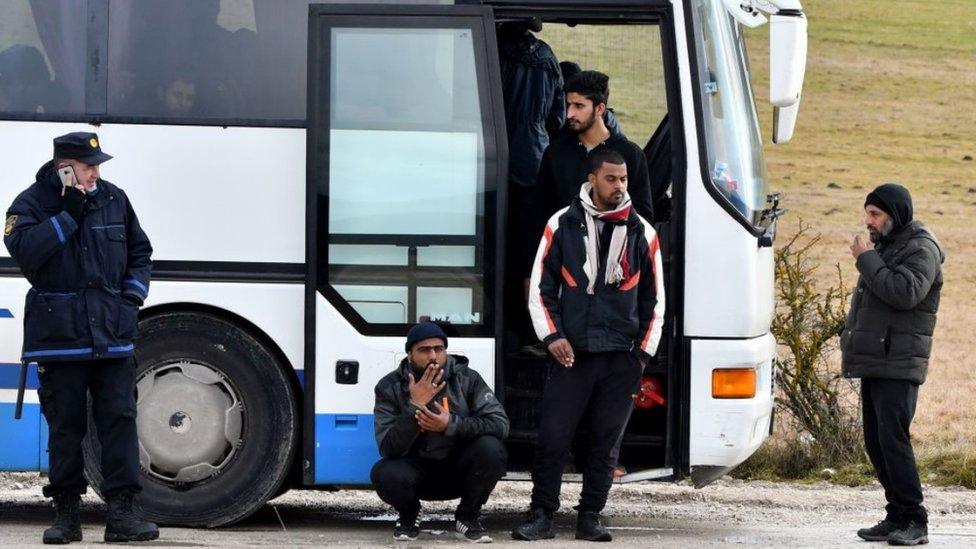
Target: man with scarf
[(78, 242), (887, 342), (439, 429), (597, 302)]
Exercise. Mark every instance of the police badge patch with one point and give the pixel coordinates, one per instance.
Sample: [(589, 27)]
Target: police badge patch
[(9, 226)]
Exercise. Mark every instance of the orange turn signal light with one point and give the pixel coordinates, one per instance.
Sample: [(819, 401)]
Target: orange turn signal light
[(734, 383)]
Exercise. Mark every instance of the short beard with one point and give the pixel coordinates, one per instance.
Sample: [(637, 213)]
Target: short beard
[(876, 236), (584, 126)]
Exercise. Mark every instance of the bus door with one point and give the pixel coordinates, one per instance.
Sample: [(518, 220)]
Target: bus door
[(406, 168)]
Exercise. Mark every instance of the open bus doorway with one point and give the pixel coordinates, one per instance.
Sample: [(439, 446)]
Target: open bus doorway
[(632, 56)]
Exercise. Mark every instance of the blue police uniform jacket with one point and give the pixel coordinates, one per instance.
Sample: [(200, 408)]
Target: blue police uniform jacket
[(88, 280)]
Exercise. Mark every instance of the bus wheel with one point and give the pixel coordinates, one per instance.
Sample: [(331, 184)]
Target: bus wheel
[(217, 419)]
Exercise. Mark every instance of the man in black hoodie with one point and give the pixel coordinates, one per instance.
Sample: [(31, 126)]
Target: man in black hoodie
[(887, 342), (439, 429), (564, 164)]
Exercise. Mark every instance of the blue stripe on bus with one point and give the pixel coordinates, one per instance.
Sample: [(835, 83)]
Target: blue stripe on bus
[(22, 439), (345, 448), (122, 348), (10, 375), (5, 313)]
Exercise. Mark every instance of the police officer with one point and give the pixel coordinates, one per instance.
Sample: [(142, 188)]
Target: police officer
[(78, 241)]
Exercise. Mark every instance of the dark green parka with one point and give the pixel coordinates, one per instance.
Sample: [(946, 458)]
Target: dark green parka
[(889, 328)]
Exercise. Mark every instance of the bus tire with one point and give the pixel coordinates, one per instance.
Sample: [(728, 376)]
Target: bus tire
[(230, 375)]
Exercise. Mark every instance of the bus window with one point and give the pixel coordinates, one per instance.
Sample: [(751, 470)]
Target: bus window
[(736, 165), (406, 195), (208, 59), (42, 57)]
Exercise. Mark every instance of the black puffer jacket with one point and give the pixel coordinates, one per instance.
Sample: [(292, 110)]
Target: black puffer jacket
[(474, 412), (532, 86), (889, 328), (624, 317)]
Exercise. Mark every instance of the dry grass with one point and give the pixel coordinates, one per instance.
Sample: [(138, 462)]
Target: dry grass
[(890, 95)]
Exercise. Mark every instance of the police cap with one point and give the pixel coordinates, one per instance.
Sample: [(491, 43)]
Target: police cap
[(81, 146)]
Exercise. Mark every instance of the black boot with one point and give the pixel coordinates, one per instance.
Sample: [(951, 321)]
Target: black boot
[(67, 520), (589, 528), (123, 524), (878, 532), (538, 526), (912, 533)]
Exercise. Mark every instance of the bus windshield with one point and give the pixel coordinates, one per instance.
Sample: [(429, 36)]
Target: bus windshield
[(736, 165)]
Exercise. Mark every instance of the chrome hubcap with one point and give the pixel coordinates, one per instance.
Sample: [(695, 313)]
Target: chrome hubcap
[(190, 422)]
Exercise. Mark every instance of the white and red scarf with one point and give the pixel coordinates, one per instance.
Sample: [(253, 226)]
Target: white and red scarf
[(618, 268)]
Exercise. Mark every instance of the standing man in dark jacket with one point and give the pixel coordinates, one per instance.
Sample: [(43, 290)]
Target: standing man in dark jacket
[(439, 429), (564, 164), (597, 302), (78, 241), (887, 343)]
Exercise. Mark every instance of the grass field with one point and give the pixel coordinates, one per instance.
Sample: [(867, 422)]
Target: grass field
[(890, 95)]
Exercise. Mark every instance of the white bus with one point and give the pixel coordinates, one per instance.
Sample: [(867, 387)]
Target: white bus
[(316, 178)]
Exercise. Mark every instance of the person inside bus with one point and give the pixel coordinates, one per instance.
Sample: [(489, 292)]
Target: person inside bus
[(535, 107), (569, 70), (597, 303), (178, 96), (565, 162), (439, 429)]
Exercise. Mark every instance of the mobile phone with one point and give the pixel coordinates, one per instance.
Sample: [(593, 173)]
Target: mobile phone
[(67, 176)]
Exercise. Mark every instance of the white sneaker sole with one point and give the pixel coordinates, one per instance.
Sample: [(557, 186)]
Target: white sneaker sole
[(483, 539)]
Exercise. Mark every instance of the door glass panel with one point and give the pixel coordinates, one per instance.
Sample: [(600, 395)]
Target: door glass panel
[(406, 173)]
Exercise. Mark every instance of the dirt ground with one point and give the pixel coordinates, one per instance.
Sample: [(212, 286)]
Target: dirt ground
[(729, 512)]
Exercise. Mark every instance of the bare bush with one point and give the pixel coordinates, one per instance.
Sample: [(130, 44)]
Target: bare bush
[(807, 322), (823, 420)]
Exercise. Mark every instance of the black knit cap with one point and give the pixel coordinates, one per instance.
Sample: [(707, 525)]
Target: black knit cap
[(422, 331), (82, 146), (894, 200)]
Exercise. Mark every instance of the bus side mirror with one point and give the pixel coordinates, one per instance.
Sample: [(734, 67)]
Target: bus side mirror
[(787, 66)]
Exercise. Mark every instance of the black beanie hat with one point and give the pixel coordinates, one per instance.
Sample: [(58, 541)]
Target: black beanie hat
[(422, 331), (894, 200)]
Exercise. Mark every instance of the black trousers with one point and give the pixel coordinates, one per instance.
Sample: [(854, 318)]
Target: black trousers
[(888, 406), (63, 394), (601, 385), (471, 473)]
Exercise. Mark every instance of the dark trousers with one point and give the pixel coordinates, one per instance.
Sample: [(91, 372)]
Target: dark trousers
[(602, 385), (63, 394), (888, 406), (471, 473)]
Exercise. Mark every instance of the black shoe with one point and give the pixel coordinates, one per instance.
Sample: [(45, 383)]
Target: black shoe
[(912, 533), (407, 526), (878, 532), (67, 520), (123, 524), (589, 528), (471, 530), (538, 526)]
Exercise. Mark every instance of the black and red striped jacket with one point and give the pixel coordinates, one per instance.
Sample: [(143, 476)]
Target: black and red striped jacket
[(627, 316)]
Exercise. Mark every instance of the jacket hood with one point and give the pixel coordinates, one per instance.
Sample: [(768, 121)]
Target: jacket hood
[(895, 200), (454, 364), (526, 49), (46, 174), (920, 230)]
